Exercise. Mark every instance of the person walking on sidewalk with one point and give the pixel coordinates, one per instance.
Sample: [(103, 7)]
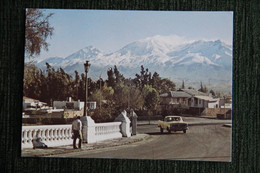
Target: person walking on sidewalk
[(76, 132)]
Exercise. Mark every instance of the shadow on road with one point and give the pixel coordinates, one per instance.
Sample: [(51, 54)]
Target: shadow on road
[(166, 133)]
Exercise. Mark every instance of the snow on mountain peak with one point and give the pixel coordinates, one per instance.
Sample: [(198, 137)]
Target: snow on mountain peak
[(167, 55), (155, 45)]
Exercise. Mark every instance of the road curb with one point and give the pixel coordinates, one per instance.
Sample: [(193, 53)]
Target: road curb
[(52, 151)]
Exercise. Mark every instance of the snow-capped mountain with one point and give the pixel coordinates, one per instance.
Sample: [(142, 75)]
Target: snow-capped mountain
[(171, 56)]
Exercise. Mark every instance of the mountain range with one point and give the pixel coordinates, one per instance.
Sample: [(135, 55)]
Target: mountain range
[(172, 57)]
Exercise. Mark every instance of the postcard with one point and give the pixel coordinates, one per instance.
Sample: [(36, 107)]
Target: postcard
[(128, 84)]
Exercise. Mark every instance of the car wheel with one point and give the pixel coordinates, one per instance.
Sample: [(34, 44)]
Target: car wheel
[(184, 131), (161, 129)]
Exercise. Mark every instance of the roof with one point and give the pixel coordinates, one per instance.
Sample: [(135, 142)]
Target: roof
[(180, 94), (27, 98), (208, 98), (164, 95), (176, 94), (193, 92)]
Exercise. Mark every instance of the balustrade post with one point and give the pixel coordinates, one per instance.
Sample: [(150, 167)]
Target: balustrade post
[(133, 117), (88, 131), (125, 126)]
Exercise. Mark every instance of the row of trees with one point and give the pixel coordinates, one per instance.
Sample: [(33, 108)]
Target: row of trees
[(112, 95)]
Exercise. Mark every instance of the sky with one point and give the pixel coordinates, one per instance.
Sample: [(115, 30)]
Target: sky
[(110, 30)]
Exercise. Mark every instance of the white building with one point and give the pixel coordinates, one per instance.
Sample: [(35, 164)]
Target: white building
[(204, 102), (76, 105), (30, 103)]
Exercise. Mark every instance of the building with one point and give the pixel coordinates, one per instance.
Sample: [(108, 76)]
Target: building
[(184, 99), (174, 99), (32, 104), (75, 105), (203, 102)]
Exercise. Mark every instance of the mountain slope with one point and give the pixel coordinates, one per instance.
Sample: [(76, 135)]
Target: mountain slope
[(171, 56)]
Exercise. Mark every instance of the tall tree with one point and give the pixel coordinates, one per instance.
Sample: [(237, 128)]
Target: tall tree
[(38, 29), (111, 81), (156, 80), (143, 79), (182, 86), (167, 85), (151, 97), (203, 89), (119, 78), (212, 92)]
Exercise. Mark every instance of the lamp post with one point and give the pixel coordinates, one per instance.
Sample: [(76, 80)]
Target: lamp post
[(86, 66)]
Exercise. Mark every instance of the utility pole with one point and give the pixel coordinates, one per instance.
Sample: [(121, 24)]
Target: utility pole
[(100, 95), (86, 66)]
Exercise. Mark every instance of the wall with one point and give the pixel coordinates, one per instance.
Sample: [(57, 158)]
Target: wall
[(214, 111)]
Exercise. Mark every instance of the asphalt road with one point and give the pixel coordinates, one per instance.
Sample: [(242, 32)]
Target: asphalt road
[(201, 142)]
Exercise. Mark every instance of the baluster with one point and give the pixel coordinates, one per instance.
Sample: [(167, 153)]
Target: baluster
[(61, 133), (29, 136), (50, 134), (25, 136), (58, 133), (54, 132), (62, 136), (68, 133), (45, 134)]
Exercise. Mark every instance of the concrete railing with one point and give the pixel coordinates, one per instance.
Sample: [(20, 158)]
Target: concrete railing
[(93, 132), (105, 131), (51, 135), (58, 135)]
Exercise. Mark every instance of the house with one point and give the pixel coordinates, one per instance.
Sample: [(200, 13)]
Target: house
[(200, 100), (203, 102), (184, 99), (226, 102), (32, 104), (75, 105), (174, 99)]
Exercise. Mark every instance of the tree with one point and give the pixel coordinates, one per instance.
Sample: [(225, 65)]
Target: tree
[(167, 85), (37, 31), (111, 81), (143, 79), (119, 78), (212, 92), (156, 81), (203, 89), (151, 97), (182, 86)]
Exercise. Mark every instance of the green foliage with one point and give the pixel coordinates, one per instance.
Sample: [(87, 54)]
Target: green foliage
[(183, 85), (53, 85), (112, 96), (203, 89), (37, 31), (151, 97), (212, 92)]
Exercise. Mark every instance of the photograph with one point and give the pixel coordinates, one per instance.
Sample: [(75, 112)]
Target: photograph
[(127, 84)]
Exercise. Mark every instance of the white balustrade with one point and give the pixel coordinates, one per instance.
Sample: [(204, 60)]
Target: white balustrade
[(51, 135), (104, 131), (58, 135)]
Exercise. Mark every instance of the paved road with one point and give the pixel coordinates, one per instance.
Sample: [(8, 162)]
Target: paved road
[(201, 142)]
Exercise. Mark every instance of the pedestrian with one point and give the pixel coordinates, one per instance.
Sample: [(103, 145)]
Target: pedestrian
[(37, 143), (76, 132)]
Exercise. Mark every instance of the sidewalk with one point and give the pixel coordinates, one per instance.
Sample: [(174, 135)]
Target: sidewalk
[(29, 152)]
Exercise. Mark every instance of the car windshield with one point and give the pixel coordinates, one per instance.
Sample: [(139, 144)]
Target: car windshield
[(169, 119), (172, 119)]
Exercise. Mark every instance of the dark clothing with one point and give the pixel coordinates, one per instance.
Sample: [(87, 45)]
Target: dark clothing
[(77, 134)]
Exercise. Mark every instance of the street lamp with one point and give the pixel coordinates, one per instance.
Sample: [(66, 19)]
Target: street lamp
[(86, 66)]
